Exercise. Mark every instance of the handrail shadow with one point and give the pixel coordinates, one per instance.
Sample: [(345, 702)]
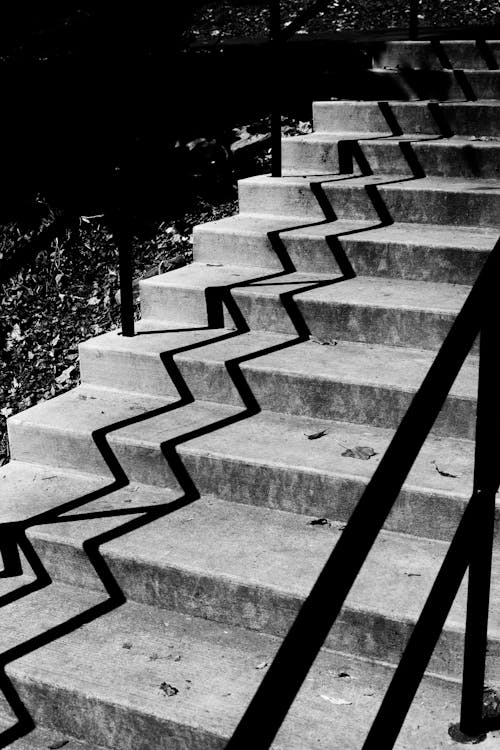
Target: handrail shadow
[(14, 534), (280, 685)]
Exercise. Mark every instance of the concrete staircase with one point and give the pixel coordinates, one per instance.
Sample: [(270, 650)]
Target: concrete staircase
[(180, 503)]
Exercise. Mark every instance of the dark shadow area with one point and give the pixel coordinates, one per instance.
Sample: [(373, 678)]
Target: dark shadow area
[(487, 54)]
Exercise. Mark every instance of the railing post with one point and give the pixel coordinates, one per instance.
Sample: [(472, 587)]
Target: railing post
[(413, 24), (486, 481), (124, 246), (275, 43)]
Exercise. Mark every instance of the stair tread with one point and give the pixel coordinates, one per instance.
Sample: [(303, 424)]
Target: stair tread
[(278, 550), (32, 492), (362, 290), (85, 407), (485, 186), (477, 238), (266, 438), (257, 440), (347, 361), (415, 138), (79, 411), (124, 657)]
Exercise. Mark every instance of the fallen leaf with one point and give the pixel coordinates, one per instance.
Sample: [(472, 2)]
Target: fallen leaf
[(65, 374), (316, 435), (320, 522), (363, 452), (168, 689), (262, 665), (336, 701), (127, 645), (445, 473), (413, 575), (56, 745), (343, 674)]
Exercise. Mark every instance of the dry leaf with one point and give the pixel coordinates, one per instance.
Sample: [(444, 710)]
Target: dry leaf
[(169, 690), (363, 452), (320, 522), (445, 473), (316, 435)]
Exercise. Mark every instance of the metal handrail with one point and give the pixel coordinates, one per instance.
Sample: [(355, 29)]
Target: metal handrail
[(273, 699)]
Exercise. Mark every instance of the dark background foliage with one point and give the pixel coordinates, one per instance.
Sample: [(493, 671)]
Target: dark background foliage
[(99, 104)]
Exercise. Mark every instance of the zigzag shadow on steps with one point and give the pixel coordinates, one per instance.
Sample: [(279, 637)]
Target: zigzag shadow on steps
[(216, 298)]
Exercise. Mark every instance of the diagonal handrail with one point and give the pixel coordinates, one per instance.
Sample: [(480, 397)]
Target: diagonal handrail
[(273, 699)]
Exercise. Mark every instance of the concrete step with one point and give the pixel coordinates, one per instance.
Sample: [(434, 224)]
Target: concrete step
[(327, 153), (139, 677), (265, 586), (77, 423), (252, 568), (347, 381), (476, 119), (383, 199), (412, 84), (266, 460), (424, 252), (113, 434), (435, 55), (328, 307)]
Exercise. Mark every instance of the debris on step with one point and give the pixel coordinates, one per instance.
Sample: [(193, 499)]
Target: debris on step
[(336, 701), (320, 522), (169, 690), (491, 703), (316, 435), (445, 473), (362, 452)]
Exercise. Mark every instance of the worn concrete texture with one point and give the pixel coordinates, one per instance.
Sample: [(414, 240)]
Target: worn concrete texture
[(175, 509)]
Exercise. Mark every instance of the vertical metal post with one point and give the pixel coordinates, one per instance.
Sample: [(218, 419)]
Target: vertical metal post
[(486, 481), (275, 42), (413, 25), (124, 245)]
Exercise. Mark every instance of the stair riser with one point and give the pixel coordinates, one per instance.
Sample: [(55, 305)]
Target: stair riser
[(105, 724), (408, 85), (325, 321), (446, 264), (155, 301), (426, 514), (325, 398), (255, 607), (53, 447), (365, 117), (380, 204), (128, 371), (462, 55), (440, 161)]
